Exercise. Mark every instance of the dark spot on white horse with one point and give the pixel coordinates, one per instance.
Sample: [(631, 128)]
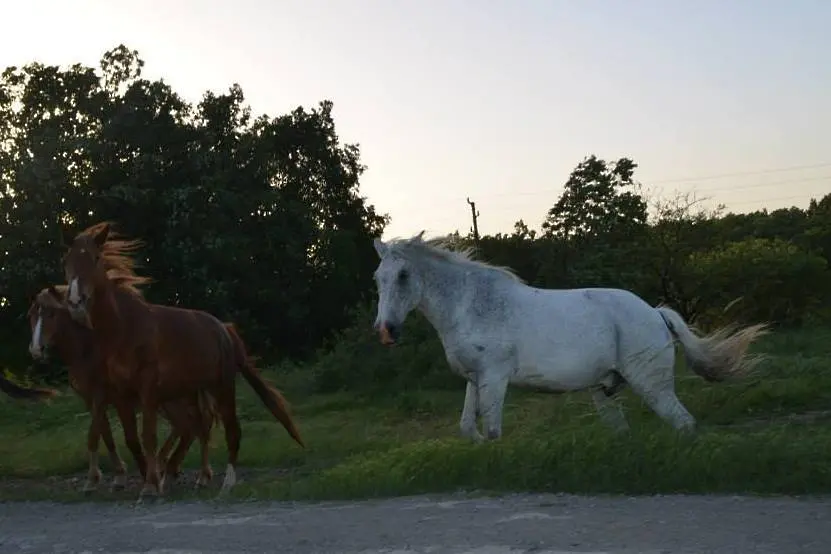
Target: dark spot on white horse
[(479, 347), (617, 383)]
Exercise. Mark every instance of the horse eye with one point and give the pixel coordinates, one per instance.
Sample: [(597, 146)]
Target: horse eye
[(403, 276)]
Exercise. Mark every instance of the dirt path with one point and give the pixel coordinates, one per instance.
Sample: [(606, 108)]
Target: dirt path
[(544, 524)]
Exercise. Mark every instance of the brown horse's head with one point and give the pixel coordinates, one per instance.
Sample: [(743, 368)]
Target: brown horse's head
[(45, 315), (84, 270)]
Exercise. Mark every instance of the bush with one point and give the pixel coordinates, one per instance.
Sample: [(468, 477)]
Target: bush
[(760, 280), (356, 361)]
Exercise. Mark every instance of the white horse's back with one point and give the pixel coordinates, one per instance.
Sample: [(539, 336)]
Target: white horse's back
[(570, 339)]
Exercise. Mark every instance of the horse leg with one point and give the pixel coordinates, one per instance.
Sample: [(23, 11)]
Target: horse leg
[(167, 446), (665, 403), (490, 390), (164, 458), (149, 421), (467, 423), (93, 435), (227, 405), (610, 411), (655, 383), (173, 466), (206, 474), (127, 416), (120, 470), (205, 416), (205, 420)]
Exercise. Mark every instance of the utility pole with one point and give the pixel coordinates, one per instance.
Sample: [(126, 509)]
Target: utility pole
[(475, 215)]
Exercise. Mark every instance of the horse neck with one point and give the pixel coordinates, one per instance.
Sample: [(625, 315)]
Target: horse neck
[(67, 340), (442, 296), (105, 314)]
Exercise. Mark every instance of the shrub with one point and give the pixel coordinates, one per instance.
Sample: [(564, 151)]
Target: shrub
[(759, 280), (358, 362)]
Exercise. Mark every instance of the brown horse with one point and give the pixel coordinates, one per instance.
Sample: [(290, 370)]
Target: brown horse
[(53, 327), (159, 352)]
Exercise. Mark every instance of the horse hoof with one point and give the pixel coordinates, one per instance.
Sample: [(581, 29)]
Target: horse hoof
[(201, 484), (229, 481), (148, 492), (118, 484), (148, 499)]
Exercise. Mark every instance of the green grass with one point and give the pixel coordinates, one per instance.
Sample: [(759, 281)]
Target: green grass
[(765, 435)]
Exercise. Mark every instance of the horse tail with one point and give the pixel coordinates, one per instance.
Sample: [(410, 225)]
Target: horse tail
[(719, 355), (268, 393), (16, 391)]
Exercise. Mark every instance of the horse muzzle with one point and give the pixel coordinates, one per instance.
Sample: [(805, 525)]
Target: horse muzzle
[(80, 314), (36, 353), (388, 333)]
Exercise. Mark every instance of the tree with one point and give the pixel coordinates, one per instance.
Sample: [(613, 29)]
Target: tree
[(598, 220), (681, 226), (817, 236), (258, 220), (599, 199)]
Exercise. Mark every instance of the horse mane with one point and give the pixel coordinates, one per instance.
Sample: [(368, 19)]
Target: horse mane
[(447, 249), (45, 299), (128, 281), (116, 258)]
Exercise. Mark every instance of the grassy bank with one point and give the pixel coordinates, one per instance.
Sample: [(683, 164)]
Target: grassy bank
[(769, 434)]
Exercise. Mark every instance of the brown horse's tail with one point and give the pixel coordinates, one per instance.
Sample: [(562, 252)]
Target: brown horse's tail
[(16, 391), (271, 397)]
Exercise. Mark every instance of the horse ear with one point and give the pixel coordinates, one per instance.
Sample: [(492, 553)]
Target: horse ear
[(55, 294), (380, 247), (101, 236)]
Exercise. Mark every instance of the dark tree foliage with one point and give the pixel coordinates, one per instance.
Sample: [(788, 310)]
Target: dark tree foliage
[(599, 199), (258, 220)]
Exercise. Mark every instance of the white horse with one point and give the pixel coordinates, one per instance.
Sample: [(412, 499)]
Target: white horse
[(497, 330)]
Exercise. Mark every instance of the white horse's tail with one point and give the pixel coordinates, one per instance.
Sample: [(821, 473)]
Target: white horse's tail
[(716, 356)]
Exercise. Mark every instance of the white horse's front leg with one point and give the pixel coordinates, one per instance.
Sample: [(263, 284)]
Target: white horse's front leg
[(491, 391), (467, 423)]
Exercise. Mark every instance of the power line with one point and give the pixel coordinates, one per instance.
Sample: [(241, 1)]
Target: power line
[(777, 199), (707, 190), (558, 190), (770, 184), (742, 173)]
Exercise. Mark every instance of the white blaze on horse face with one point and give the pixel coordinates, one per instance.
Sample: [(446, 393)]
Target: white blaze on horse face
[(74, 292), (35, 347)]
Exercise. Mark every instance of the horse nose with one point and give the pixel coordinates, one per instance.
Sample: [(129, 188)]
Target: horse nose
[(79, 303), (35, 352), (390, 332)]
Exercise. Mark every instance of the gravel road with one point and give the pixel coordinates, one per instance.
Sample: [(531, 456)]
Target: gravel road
[(543, 524)]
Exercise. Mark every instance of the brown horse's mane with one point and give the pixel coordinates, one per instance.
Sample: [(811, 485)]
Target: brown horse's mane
[(116, 258)]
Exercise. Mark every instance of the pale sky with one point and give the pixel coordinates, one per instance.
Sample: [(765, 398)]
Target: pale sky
[(497, 100)]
